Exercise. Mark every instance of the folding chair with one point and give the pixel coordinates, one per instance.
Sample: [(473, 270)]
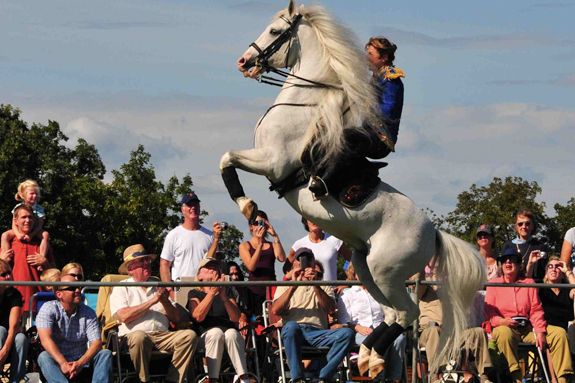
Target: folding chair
[(36, 301), (275, 349), (534, 364)]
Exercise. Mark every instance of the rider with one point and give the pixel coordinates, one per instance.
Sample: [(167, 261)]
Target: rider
[(389, 89)]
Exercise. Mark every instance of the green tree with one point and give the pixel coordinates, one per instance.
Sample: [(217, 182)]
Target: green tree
[(496, 204), (70, 180), (564, 220), (90, 221)]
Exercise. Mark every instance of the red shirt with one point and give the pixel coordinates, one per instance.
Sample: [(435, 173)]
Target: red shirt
[(23, 271), (506, 302)]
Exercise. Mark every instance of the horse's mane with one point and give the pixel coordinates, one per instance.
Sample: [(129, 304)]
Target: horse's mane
[(343, 63)]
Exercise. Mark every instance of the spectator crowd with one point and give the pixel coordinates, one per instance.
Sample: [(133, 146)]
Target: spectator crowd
[(340, 319)]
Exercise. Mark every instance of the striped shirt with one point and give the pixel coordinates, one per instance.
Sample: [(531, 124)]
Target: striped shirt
[(70, 333)]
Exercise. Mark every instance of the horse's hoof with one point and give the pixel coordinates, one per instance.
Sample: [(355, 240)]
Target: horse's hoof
[(249, 209), (376, 365), (363, 360)]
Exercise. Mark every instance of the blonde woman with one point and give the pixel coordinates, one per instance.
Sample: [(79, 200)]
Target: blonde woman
[(73, 269)]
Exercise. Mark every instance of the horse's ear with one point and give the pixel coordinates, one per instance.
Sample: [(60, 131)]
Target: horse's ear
[(291, 8)]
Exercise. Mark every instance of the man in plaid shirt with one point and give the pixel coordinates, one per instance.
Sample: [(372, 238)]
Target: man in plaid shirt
[(70, 335)]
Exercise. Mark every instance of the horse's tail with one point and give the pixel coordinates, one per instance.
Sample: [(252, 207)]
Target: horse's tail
[(462, 272)]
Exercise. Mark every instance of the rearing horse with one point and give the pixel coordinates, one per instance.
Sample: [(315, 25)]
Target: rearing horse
[(326, 92)]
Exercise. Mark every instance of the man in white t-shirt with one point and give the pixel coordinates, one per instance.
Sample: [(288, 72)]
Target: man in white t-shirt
[(326, 248), (186, 245)]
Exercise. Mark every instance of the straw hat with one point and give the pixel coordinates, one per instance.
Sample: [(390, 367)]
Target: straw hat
[(133, 253)]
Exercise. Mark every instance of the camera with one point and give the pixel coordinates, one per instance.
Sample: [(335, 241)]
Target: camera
[(306, 261), (542, 254), (522, 322), (224, 225)]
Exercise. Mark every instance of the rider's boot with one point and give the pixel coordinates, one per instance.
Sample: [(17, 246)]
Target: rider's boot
[(318, 187)]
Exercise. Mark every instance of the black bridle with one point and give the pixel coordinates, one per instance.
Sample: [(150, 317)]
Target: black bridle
[(265, 54)]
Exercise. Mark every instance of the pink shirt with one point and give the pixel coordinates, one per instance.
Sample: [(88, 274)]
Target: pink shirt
[(506, 302)]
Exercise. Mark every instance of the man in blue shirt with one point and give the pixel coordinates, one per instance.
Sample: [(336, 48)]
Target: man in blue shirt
[(70, 335)]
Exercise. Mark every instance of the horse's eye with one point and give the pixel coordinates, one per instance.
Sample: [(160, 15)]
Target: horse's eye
[(275, 32)]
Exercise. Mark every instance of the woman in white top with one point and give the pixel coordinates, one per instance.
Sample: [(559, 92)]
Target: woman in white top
[(358, 310), (325, 247)]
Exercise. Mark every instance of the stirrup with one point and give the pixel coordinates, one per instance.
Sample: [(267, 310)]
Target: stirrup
[(317, 187)]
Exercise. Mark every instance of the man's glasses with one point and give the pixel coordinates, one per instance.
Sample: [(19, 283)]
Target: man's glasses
[(79, 277), (141, 263), (69, 288), (5, 274), (552, 266), (524, 223)]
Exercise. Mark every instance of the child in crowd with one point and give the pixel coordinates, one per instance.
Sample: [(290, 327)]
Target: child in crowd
[(28, 194), (50, 275)]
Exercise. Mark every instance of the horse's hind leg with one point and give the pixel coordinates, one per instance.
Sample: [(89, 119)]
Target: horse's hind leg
[(386, 293)]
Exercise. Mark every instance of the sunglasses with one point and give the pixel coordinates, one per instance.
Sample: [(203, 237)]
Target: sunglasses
[(554, 266), (5, 274), (524, 223), (69, 288), (512, 259), (77, 276), (483, 235)]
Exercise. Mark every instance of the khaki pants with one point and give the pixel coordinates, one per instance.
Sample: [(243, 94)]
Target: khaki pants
[(181, 344), (475, 342), (507, 340), (216, 341)]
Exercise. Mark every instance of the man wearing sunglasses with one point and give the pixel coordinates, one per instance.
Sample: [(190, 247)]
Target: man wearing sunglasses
[(530, 249), (70, 334)]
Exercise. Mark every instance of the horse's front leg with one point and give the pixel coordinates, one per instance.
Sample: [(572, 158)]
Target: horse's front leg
[(252, 160)]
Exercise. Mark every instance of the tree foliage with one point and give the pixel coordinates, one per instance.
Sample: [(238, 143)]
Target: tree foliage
[(496, 204), (90, 221)]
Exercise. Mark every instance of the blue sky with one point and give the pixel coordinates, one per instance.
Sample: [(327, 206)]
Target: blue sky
[(489, 88)]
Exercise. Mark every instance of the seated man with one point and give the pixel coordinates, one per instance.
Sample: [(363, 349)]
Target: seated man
[(145, 314), (304, 311), (66, 326), (13, 344), (217, 315)]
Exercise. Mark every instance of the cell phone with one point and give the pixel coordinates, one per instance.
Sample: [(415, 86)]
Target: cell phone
[(261, 223)]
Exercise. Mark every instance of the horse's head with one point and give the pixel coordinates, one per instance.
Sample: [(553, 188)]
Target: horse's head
[(274, 47)]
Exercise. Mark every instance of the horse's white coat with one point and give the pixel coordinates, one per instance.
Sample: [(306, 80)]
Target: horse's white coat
[(391, 237)]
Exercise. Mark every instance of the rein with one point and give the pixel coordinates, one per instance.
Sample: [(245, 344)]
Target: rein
[(265, 54)]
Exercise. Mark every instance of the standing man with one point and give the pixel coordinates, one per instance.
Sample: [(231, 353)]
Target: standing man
[(70, 335), (13, 344), (187, 244), (304, 311), (24, 256), (145, 314), (531, 250)]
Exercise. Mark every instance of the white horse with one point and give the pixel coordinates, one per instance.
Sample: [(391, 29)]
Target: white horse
[(326, 92)]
